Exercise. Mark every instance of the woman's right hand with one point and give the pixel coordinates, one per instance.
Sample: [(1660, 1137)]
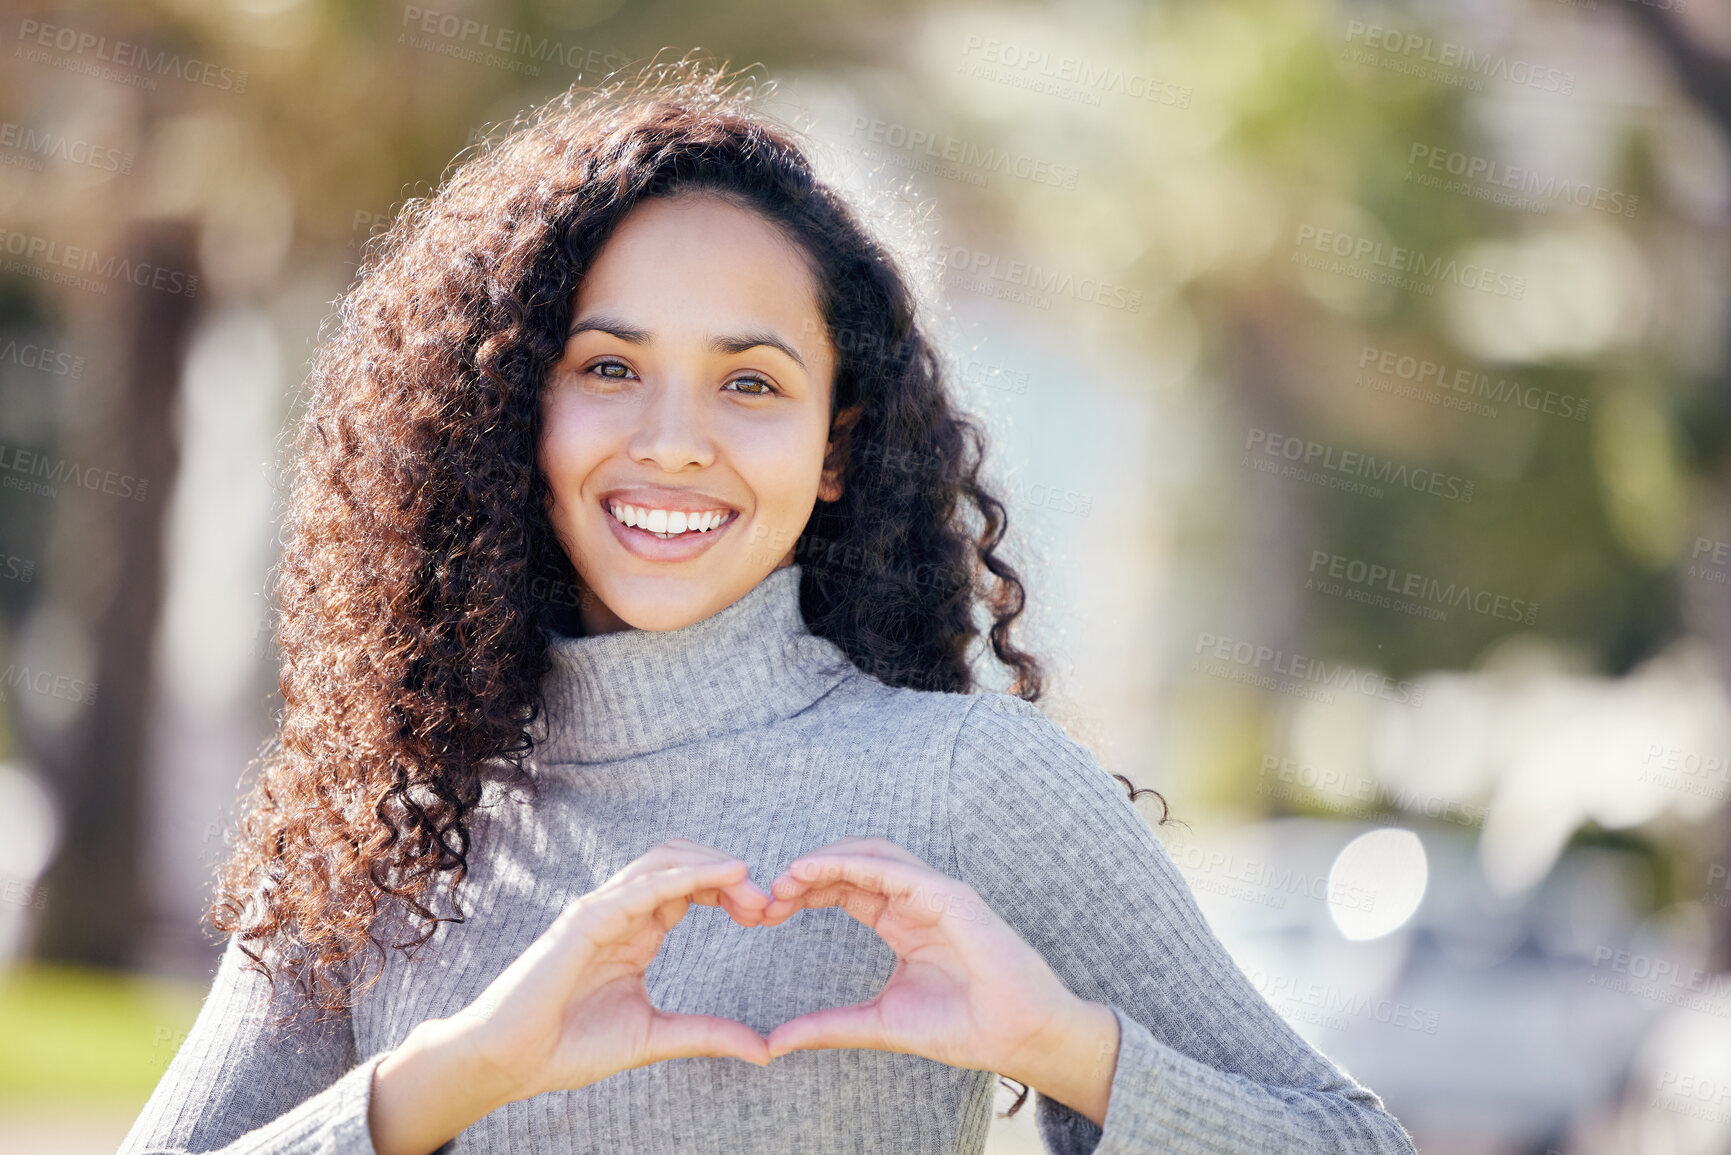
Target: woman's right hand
[(572, 1009)]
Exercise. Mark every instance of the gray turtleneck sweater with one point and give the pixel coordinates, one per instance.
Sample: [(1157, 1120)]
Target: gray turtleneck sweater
[(748, 733)]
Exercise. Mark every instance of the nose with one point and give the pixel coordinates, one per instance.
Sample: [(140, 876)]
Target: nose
[(672, 432)]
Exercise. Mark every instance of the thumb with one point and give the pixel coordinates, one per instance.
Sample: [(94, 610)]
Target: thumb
[(857, 1026), (690, 1036)]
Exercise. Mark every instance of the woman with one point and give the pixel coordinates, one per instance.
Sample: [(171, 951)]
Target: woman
[(636, 351)]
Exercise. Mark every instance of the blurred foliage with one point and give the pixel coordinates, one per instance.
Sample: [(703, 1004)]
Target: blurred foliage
[(89, 1035), (1195, 203)]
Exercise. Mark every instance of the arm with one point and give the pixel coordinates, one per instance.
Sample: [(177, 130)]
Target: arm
[(1202, 1064), (569, 1011), (238, 1087)]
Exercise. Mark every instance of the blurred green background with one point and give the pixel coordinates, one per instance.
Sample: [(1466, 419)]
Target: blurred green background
[(1356, 377)]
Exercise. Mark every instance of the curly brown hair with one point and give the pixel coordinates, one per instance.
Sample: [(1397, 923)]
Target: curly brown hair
[(413, 594)]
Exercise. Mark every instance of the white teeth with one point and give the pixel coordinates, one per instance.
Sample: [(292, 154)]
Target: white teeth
[(666, 523)]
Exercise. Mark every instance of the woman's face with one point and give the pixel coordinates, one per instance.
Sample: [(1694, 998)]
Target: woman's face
[(694, 396)]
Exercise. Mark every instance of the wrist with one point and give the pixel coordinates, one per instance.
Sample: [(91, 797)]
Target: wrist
[(1074, 1060), (431, 1087), (449, 1053)]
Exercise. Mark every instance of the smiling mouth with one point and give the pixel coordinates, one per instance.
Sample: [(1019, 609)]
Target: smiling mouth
[(668, 524)]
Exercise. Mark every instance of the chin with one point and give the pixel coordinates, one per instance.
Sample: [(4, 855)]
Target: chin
[(648, 603)]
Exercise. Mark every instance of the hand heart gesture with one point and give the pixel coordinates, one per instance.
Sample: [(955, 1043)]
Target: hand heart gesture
[(966, 990)]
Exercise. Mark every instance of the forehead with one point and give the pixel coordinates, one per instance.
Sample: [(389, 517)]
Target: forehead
[(698, 261)]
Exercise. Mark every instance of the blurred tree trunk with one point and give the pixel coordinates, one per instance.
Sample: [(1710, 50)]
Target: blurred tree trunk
[(1706, 78), (96, 891)]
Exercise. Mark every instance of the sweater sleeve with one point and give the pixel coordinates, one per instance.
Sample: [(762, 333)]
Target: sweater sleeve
[(1054, 846), (238, 1087)]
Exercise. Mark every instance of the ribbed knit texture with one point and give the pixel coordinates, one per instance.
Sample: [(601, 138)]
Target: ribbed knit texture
[(748, 733)]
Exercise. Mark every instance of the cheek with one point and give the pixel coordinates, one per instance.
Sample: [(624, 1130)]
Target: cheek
[(566, 449), (781, 464)]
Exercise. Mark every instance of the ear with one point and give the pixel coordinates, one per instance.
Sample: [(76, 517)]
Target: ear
[(836, 457)]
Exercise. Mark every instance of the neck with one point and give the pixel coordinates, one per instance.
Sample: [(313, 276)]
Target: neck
[(597, 617), (632, 692)]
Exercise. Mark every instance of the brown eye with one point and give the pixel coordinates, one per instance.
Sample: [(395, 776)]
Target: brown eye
[(613, 370), (766, 391)]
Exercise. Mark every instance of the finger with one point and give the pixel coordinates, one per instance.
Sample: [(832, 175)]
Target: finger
[(866, 844), (745, 909), (687, 1036), (619, 910), (744, 901), (898, 881), (865, 887), (673, 852), (670, 912), (740, 899), (856, 846), (856, 1026), (867, 906), (863, 904)]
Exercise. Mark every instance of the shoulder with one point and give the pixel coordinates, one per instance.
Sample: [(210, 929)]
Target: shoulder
[(1007, 752), (1017, 735), (989, 738), (1027, 804), (861, 698)]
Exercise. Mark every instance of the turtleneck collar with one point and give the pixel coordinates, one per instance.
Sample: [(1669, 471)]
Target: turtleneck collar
[(633, 692)]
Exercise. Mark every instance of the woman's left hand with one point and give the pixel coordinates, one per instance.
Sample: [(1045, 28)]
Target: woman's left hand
[(967, 990)]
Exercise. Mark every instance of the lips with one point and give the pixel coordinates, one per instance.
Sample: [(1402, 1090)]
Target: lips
[(666, 507), (668, 523)]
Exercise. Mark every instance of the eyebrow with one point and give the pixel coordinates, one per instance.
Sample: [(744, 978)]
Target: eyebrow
[(757, 338)]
